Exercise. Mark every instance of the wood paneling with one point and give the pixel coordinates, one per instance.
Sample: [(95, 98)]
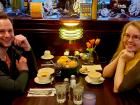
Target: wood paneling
[(44, 34)]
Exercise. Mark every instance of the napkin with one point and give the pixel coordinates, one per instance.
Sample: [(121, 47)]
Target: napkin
[(93, 67), (39, 92)]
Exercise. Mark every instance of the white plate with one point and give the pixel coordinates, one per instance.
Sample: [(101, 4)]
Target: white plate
[(48, 69), (91, 68), (48, 57), (85, 73), (87, 79), (36, 80)]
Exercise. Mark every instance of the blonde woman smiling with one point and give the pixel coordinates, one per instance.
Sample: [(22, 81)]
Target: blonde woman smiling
[(125, 64)]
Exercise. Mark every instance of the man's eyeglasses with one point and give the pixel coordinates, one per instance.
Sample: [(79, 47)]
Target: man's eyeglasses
[(134, 37)]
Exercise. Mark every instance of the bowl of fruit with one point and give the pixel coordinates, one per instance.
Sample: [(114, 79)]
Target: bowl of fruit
[(68, 65)]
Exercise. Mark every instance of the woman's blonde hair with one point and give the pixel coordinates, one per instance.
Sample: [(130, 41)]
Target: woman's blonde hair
[(121, 46)]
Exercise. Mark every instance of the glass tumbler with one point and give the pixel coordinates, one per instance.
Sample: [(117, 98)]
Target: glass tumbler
[(77, 94), (89, 98), (60, 93)]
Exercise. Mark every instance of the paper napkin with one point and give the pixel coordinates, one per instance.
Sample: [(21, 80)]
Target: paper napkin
[(39, 92)]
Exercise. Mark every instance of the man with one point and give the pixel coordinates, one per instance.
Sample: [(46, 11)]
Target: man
[(17, 62)]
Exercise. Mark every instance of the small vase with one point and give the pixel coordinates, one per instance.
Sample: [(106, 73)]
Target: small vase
[(90, 57), (93, 57)]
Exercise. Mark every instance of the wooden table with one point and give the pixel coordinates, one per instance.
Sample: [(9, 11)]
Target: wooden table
[(104, 94)]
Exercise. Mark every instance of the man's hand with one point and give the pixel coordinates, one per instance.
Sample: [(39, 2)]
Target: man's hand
[(22, 64), (22, 41)]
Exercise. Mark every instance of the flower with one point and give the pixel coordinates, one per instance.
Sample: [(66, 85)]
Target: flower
[(91, 44), (97, 41)]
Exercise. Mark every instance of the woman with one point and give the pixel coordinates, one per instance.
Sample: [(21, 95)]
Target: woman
[(125, 64), (17, 62)]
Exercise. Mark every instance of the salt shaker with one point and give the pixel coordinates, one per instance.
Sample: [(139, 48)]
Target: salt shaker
[(66, 82), (72, 81)]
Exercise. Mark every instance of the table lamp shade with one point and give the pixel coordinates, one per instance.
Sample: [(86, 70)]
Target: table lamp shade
[(71, 31)]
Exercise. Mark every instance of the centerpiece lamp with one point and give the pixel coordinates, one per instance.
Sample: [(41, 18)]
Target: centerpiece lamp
[(71, 31)]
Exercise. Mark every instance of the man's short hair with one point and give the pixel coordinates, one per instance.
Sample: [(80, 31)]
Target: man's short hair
[(3, 15)]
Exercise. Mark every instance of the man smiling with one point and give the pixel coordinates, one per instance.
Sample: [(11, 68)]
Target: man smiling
[(17, 62)]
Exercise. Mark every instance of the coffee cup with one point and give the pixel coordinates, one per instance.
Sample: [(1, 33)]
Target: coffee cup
[(95, 76), (47, 53), (43, 76), (46, 69)]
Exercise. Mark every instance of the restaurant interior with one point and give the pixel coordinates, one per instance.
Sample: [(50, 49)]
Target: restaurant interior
[(43, 23)]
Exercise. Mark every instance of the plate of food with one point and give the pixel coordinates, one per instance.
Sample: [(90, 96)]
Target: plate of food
[(88, 80), (83, 70)]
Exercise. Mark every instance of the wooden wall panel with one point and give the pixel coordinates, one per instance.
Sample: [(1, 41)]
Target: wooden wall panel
[(44, 34)]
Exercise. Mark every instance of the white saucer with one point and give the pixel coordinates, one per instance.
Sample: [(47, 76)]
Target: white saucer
[(36, 80), (48, 57), (87, 79)]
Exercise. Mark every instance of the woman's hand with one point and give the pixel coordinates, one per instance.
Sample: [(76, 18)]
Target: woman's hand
[(22, 64), (22, 41), (126, 55)]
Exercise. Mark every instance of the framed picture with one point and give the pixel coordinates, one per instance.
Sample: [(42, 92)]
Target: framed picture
[(85, 10)]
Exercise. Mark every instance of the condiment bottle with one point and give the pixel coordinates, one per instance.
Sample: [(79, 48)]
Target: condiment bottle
[(66, 82), (72, 81)]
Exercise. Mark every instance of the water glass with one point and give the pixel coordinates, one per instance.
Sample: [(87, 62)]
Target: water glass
[(60, 93), (89, 98), (77, 94)]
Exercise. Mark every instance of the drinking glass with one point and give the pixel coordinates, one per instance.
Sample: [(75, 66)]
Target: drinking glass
[(89, 98), (77, 94), (60, 93)]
